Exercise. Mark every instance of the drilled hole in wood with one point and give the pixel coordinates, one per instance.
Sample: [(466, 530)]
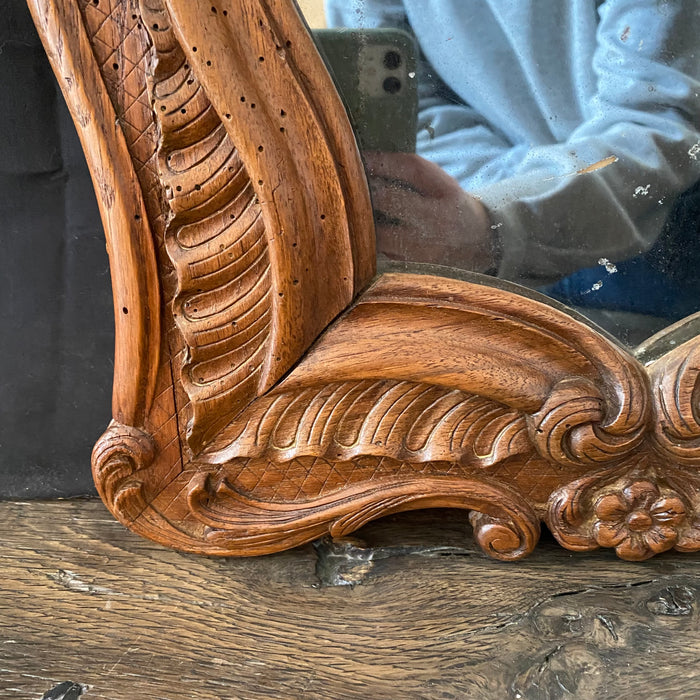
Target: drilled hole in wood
[(288, 44), (260, 182), (155, 26), (213, 9), (183, 110), (260, 149), (125, 310), (190, 81), (283, 113), (137, 217), (225, 13), (227, 115), (194, 49), (208, 63), (179, 188), (115, 66), (295, 282), (242, 98), (282, 129), (198, 187), (261, 58), (252, 105), (163, 108), (323, 217)]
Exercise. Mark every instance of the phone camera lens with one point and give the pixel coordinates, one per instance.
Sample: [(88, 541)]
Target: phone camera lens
[(392, 60), (391, 85)]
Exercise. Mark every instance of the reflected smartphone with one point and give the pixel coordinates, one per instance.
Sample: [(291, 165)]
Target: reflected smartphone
[(375, 73)]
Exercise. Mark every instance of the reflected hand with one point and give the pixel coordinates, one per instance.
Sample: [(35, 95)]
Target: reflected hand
[(423, 215)]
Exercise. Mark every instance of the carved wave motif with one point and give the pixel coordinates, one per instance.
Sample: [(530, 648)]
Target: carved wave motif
[(410, 421), (215, 237)]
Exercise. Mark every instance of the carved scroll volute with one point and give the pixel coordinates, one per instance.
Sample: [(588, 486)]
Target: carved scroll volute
[(259, 69), (129, 242), (675, 387)]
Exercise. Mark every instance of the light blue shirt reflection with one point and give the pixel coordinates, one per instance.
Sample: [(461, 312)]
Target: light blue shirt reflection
[(517, 97)]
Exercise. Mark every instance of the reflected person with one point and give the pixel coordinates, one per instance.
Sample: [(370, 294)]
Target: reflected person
[(563, 131)]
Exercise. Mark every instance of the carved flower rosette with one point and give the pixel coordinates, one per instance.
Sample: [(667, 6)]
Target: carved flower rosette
[(650, 502), (638, 509)]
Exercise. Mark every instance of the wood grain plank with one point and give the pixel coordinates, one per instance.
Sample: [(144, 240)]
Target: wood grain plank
[(427, 616)]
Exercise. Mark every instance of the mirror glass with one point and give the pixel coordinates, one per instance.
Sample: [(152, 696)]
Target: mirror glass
[(552, 144)]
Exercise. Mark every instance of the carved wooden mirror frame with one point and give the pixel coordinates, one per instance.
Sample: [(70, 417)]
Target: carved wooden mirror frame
[(268, 387)]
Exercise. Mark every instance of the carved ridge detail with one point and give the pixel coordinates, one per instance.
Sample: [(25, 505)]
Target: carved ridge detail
[(215, 237), (123, 211)]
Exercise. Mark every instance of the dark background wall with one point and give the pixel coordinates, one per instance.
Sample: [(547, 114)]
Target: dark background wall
[(56, 327)]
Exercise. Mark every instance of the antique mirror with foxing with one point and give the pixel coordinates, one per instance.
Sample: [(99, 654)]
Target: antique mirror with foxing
[(367, 268)]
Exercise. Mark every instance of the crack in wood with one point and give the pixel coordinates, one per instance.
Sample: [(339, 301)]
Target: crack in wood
[(67, 690)]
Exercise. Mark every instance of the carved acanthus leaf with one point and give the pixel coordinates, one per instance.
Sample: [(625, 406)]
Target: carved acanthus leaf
[(409, 421)]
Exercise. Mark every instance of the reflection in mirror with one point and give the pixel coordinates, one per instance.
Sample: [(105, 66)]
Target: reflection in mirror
[(557, 144)]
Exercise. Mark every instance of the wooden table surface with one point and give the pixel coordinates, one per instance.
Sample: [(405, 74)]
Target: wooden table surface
[(409, 609)]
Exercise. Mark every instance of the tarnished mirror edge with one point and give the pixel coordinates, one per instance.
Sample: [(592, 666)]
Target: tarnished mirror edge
[(425, 392)]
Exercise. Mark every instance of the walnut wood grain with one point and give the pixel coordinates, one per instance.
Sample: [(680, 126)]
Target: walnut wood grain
[(265, 395)]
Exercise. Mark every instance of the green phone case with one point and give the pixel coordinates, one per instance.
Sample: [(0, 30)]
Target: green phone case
[(375, 73)]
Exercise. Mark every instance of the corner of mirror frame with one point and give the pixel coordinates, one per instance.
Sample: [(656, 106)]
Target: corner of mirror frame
[(263, 395)]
